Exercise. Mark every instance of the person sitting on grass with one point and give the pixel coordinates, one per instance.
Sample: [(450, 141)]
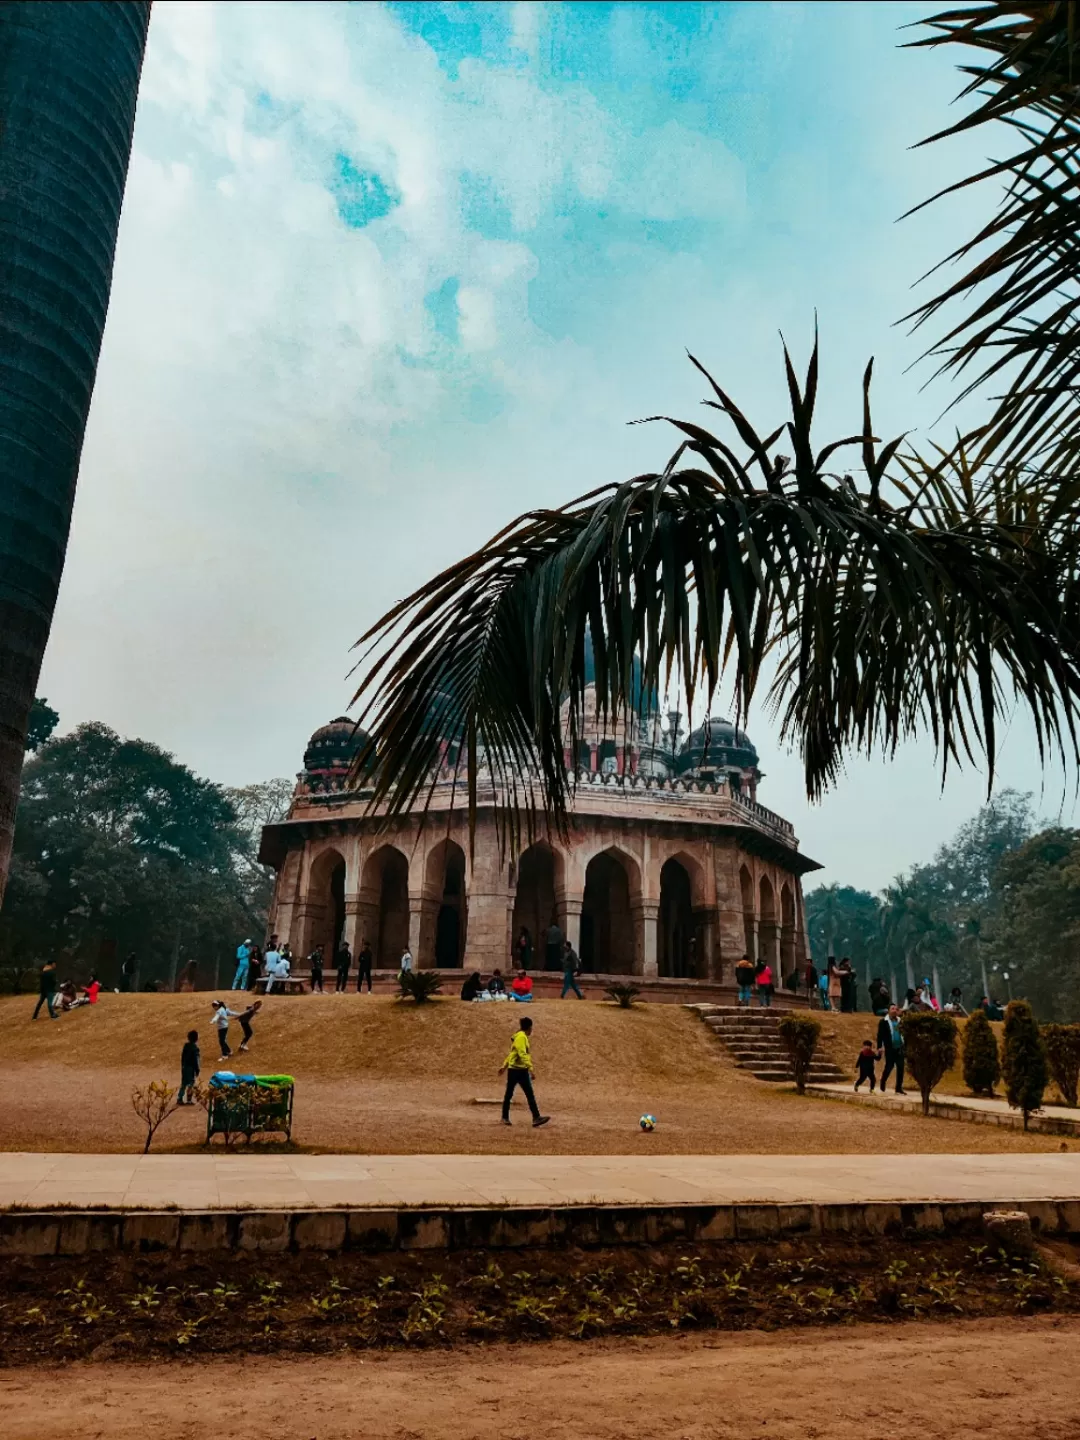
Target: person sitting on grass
[(472, 987), (521, 987), (867, 1059), (496, 985), (189, 1068), (519, 1072)]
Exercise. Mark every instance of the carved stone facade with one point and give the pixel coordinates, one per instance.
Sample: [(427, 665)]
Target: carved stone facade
[(672, 868)]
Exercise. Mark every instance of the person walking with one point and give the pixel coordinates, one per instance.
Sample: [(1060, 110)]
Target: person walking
[(553, 950), (342, 963), (243, 966), (518, 1066), (744, 979), (363, 961), (890, 1039), (865, 1062), (222, 1016), (766, 984), (46, 990), (315, 964), (570, 972), (127, 974), (190, 1064), (246, 1017)]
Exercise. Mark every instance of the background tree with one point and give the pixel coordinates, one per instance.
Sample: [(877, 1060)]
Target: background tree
[(844, 921), (69, 76), (43, 721), (1024, 1060), (119, 849), (1036, 932), (257, 805), (929, 1049), (981, 1061)]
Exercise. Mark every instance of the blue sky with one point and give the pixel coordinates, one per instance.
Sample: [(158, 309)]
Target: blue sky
[(388, 275)]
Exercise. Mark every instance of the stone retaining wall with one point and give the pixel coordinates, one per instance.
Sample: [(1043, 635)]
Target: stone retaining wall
[(80, 1232)]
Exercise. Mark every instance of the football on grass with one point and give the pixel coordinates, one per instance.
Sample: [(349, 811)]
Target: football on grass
[(647, 1122)]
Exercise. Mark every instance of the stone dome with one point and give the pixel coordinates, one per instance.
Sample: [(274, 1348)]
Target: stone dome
[(334, 746), (716, 745)]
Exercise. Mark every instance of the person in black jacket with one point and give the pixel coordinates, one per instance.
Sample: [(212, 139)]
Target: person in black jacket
[(363, 961), (890, 1039), (343, 964)]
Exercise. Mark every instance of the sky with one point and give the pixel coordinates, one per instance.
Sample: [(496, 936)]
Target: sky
[(389, 275)]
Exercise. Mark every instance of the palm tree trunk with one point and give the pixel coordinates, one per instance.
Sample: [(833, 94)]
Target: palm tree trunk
[(69, 78)]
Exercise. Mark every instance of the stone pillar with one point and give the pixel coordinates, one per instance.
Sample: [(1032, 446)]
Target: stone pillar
[(646, 923), (490, 900), (768, 943), (568, 907), (710, 964)]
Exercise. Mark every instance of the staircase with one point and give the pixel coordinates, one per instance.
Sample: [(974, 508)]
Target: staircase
[(752, 1037)]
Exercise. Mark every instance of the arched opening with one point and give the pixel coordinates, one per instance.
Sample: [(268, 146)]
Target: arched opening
[(607, 924), (387, 874), (746, 887), (446, 881), (787, 930), (535, 898), (326, 902), (675, 941), (767, 928)]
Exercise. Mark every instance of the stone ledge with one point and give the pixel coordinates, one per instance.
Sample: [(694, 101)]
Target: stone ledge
[(951, 1110), (80, 1232)]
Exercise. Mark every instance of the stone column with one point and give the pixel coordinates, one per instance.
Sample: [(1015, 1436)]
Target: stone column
[(711, 965), (568, 907), (646, 923)]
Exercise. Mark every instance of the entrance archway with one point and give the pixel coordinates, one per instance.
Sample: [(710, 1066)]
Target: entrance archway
[(446, 882), (607, 924), (746, 889), (787, 930), (539, 873), (675, 940), (387, 875), (767, 927), (326, 903)]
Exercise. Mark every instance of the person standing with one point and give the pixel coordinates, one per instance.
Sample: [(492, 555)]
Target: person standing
[(315, 962), (847, 986), (222, 1016), (127, 974), (190, 1064), (46, 989), (744, 979), (406, 961), (890, 1040), (552, 948), (570, 972), (255, 965), (363, 961), (246, 1017), (766, 984), (243, 966), (834, 986), (342, 963), (518, 1066)]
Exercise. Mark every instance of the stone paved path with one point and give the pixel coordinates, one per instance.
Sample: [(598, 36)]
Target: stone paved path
[(268, 1180), (1063, 1114)]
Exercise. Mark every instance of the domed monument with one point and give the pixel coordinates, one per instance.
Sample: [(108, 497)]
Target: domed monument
[(672, 870)]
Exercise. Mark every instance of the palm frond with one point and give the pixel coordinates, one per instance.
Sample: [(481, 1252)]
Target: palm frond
[(1019, 282), (935, 607)]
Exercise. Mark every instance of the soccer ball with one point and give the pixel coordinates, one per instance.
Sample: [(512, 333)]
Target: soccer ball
[(647, 1122)]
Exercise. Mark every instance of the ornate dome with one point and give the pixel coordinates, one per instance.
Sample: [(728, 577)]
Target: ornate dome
[(716, 745), (333, 746)]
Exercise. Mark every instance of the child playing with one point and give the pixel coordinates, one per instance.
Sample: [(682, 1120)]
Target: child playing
[(867, 1058), (245, 1017), (189, 1068), (222, 1016)]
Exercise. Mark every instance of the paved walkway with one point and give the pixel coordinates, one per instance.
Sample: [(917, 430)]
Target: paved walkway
[(266, 1180), (888, 1099)]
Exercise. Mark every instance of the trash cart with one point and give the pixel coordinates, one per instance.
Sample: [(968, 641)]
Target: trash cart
[(249, 1105)]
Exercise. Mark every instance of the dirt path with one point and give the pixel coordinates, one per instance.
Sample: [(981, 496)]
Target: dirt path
[(958, 1381)]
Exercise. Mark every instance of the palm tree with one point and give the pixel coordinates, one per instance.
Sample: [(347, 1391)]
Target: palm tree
[(920, 595), (69, 76)]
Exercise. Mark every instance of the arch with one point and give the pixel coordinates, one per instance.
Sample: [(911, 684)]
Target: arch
[(675, 941), (787, 929), (386, 876), (749, 911), (768, 930), (540, 873), (608, 945), (445, 886), (326, 902)]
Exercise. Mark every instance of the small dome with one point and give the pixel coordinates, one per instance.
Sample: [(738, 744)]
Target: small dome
[(334, 746), (716, 745)]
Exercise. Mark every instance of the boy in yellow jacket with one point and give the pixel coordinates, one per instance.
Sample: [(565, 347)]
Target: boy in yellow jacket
[(519, 1071)]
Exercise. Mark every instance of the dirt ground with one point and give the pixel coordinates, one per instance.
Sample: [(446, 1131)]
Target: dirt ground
[(377, 1076), (961, 1380)]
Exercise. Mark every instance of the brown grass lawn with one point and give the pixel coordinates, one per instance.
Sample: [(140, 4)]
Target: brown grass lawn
[(378, 1076)]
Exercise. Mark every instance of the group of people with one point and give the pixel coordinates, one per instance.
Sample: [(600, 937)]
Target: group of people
[(889, 1047), (60, 996), (751, 976), (191, 1056), (252, 963)]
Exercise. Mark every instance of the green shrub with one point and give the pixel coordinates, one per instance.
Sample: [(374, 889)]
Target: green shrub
[(623, 995), (1024, 1062), (929, 1049), (419, 985), (982, 1063), (1062, 1044), (800, 1035)]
